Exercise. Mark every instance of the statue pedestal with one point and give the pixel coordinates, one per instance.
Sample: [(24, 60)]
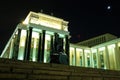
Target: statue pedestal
[(59, 58), (55, 58)]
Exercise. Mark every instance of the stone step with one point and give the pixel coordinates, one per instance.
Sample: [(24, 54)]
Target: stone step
[(12, 76), (27, 70)]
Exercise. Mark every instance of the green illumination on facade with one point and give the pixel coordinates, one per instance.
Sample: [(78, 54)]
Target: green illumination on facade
[(36, 40)]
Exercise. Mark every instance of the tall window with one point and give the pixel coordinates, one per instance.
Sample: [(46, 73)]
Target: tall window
[(88, 60), (94, 60), (101, 59)]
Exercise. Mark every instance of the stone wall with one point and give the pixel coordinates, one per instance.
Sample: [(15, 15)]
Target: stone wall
[(26, 70)]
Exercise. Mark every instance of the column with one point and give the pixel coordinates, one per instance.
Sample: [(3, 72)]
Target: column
[(83, 58), (112, 57), (81, 54), (117, 55), (67, 47), (39, 48), (107, 63), (42, 46), (51, 45), (98, 59), (75, 57), (91, 61), (11, 48), (16, 44), (28, 44)]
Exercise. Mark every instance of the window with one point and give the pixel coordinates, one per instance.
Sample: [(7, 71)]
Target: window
[(101, 59)]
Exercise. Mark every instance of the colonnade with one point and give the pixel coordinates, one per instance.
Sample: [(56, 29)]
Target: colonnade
[(104, 56), (29, 44)]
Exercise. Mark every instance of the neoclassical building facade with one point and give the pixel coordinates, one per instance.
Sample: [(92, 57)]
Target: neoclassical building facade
[(38, 36), (104, 55)]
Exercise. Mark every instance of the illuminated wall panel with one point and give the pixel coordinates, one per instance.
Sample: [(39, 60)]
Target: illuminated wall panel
[(79, 57), (46, 20), (111, 50), (34, 46), (118, 55), (94, 58), (22, 45), (101, 57), (47, 48), (72, 56)]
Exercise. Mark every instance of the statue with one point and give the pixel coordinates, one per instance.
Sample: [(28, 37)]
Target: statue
[(59, 56)]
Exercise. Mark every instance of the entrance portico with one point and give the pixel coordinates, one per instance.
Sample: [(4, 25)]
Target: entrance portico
[(35, 39)]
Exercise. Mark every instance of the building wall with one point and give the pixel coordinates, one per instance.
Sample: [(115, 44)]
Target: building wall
[(104, 56), (29, 48), (97, 40), (38, 37)]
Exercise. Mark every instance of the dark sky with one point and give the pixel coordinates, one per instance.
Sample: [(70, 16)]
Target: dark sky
[(87, 18)]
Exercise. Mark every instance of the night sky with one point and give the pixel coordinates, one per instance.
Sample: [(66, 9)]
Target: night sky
[(87, 18)]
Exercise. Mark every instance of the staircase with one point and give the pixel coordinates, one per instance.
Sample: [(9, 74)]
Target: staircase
[(26, 70)]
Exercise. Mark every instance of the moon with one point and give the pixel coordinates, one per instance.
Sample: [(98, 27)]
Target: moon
[(108, 7)]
